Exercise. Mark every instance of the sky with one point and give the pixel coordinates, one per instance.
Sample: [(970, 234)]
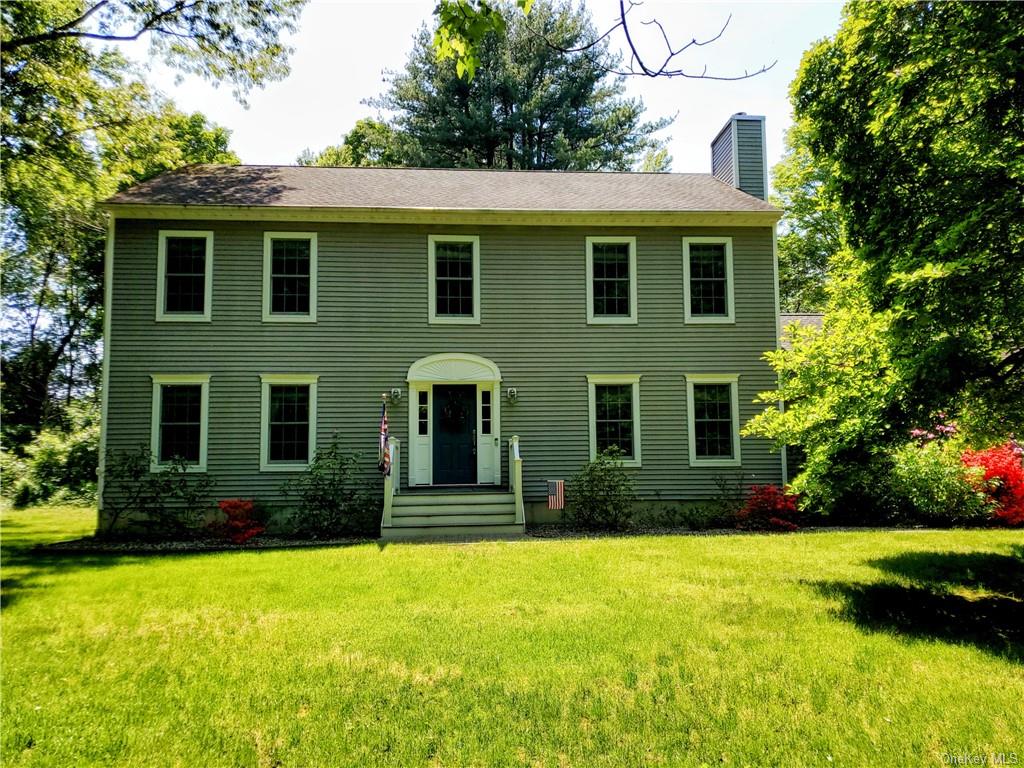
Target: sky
[(344, 47)]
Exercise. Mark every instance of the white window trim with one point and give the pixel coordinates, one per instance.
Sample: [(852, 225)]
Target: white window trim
[(730, 316), (713, 378), (268, 261), (266, 381), (161, 277), (432, 317), (160, 380), (601, 319), (592, 381)]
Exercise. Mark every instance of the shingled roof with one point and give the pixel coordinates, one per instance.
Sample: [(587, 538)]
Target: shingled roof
[(270, 186)]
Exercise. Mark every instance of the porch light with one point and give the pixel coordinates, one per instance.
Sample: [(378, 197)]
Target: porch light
[(513, 394)]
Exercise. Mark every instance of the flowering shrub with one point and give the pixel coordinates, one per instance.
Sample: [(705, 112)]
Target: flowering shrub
[(928, 484), (241, 522), (768, 508), (942, 429), (1002, 473)]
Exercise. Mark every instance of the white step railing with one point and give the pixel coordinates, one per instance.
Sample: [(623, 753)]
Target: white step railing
[(515, 478), (392, 481)]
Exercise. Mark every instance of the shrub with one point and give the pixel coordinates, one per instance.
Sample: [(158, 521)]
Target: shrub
[(768, 508), (1001, 479), (172, 500), (242, 520), (332, 500), (928, 483), (57, 465), (601, 495)]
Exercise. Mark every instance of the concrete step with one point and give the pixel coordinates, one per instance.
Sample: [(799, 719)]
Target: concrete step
[(440, 499), (441, 510), (435, 521), (442, 532)]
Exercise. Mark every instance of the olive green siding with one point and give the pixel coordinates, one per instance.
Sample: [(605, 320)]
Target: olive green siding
[(721, 156), (372, 324), (751, 159)]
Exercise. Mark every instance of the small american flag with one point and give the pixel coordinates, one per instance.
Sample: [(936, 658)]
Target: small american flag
[(556, 494), (384, 451)]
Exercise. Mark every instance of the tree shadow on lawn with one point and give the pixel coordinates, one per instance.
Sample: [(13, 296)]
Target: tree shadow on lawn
[(974, 597)]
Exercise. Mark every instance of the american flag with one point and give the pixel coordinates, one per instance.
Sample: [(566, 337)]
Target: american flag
[(556, 494), (384, 451)]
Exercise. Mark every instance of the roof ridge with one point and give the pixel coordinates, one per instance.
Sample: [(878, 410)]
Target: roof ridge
[(552, 171)]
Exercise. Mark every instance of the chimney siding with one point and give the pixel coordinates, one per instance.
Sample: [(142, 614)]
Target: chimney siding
[(738, 155)]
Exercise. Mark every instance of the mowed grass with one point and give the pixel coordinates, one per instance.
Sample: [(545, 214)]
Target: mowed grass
[(885, 648)]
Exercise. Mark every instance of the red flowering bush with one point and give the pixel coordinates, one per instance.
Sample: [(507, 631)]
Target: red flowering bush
[(768, 508), (1001, 471), (241, 522)]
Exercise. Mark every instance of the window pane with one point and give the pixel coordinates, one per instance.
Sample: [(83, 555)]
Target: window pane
[(185, 275), (712, 420), (289, 422), (613, 410), (708, 280), (453, 268), (290, 277), (485, 412), (424, 412), (611, 279), (180, 421)]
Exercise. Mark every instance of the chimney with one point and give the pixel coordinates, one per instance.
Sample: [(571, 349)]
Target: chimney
[(738, 154)]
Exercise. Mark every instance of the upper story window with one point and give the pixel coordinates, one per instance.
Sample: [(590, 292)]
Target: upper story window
[(184, 287), (611, 280), (454, 279), (179, 422), (707, 279), (288, 421), (615, 416), (289, 276), (712, 407)]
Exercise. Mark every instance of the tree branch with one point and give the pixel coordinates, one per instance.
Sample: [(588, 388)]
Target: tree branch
[(636, 66), (69, 30)]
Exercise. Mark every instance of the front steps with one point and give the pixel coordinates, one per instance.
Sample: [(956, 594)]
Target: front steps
[(434, 515)]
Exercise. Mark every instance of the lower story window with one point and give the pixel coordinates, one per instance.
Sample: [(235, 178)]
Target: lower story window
[(615, 416), (289, 421), (179, 420), (713, 420)]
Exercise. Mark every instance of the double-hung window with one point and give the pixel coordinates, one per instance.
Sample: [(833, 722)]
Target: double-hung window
[(289, 277), (707, 279), (179, 420), (712, 406), (184, 288), (453, 270), (615, 416), (288, 421), (611, 280)]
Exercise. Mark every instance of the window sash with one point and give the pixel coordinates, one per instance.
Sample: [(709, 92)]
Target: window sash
[(709, 282), (180, 433), (185, 275), (611, 288), (288, 433), (453, 279), (613, 418), (290, 276), (712, 421)]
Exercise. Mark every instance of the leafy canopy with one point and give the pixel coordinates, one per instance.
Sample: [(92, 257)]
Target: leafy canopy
[(810, 229), (917, 112), (530, 106)]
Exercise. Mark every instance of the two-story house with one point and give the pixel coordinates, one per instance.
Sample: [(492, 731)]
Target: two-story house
[(518, 322)]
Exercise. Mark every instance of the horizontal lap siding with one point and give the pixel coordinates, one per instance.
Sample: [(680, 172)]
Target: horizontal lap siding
[(372, 312), (751, 160)]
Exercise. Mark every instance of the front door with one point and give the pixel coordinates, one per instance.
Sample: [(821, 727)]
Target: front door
[(454, 434)]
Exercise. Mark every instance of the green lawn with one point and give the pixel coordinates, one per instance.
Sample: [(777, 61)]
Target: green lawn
[(840, 648)]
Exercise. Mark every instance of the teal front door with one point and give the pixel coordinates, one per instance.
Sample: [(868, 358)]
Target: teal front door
[(454, 434)]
